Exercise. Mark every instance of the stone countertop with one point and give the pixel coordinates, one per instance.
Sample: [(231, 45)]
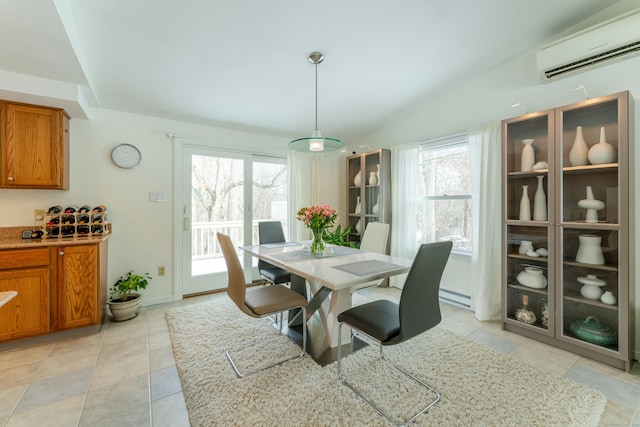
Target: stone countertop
[(6, 296), (10, 238)]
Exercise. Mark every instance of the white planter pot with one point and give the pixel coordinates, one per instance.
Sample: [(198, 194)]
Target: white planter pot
[(125, 310)]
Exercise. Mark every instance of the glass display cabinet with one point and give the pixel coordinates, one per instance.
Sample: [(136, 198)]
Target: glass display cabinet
[(565, 227), (368, 190)]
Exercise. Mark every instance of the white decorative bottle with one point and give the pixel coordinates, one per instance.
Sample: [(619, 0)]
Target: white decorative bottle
[(525, 205), (376, 208), (540, 202), (358, 208), (602, 152), (578, 156), (528, 159)]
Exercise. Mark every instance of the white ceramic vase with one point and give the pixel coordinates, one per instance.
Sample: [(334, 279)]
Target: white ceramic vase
[(376, 208), (532, 277), (527, 160), (358, 208), (578, 156), (357, 180), (591, 286), (525, 205), (525, 246), (378, 173), (540, 202), (591, 205), (373, 179), (589, 250), (358, 226), (608, 298), (602, 152)]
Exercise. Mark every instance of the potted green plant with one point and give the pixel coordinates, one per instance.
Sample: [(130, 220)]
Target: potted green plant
[(338, 237), (123, 300)]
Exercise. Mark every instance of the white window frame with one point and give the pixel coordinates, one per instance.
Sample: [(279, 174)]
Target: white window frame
[(442, 143)]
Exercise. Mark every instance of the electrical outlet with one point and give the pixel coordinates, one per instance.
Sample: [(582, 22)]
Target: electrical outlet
[(38, 214), (161, 270)]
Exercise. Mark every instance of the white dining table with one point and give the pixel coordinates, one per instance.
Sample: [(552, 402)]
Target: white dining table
[(329, 279)]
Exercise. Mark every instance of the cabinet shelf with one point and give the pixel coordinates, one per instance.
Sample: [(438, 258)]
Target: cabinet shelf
[(542, 292), (603, 267), (590, 169), (529, 258), (537, 325), (600, 225), (571, 295), (599, 348), (544, 224), (528, 174)]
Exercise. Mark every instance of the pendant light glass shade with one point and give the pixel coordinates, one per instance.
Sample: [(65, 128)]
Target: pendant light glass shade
[(316, 142)]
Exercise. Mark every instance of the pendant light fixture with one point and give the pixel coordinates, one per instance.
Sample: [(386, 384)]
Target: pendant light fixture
[(316, 142)]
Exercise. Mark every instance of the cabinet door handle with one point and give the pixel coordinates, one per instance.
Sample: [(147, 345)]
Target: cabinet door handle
[(60, 253), (9, 178), (186, 223)]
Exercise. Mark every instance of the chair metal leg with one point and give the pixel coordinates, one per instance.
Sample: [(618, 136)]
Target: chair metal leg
[(344, 381), (277, 363)]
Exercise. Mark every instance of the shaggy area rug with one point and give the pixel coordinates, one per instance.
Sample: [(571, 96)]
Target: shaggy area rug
[(479, 387)]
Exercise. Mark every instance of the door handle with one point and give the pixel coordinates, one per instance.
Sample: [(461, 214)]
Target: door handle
[(186, 223)]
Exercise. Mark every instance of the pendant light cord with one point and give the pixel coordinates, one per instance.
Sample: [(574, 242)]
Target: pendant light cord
[(316, 96)]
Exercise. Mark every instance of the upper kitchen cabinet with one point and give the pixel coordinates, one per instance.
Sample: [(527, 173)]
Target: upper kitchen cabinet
[(34, 147)]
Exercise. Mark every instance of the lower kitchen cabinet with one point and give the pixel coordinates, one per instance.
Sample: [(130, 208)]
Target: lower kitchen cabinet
[(60, 287), (27, 314), (77, 283)]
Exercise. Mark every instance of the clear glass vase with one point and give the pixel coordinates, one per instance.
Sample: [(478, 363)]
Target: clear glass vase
[(318, 244)]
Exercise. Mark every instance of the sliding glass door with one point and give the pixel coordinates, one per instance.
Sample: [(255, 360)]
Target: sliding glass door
[(215, 198)]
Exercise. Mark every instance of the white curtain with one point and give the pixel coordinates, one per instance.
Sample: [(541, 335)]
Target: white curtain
[(304, 188), (485, 154), (404, 204)]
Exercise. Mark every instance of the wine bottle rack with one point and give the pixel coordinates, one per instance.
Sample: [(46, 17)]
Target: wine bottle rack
[(75, 224)]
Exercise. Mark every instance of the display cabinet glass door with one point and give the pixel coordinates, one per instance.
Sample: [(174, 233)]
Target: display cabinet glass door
[(590, 234), (528, 214)]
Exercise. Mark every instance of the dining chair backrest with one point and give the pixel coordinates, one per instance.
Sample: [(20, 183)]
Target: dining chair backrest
[(269, 232), (375, 237), (419, 307), (236, 287)]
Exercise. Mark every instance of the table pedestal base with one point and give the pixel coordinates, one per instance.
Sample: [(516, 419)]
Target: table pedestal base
[(322, 311)]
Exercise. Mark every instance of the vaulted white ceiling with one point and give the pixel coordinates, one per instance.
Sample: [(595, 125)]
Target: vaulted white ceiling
[(243, 64)]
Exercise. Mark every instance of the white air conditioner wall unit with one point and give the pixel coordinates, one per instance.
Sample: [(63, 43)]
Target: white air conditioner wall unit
[(602, 44)]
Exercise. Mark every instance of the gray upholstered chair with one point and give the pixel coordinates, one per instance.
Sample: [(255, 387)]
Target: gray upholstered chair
[(271, 232), (389, 323), (259, 302)]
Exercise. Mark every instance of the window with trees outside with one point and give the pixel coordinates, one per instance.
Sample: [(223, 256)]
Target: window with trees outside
[(444, 192)]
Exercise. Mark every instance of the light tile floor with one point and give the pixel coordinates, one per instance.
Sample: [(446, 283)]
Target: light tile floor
[(126, 374)]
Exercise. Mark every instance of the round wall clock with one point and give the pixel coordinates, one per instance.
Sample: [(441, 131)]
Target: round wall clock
[(126, 156)]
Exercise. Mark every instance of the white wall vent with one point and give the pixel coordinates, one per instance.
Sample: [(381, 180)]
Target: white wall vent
[(602, 44)]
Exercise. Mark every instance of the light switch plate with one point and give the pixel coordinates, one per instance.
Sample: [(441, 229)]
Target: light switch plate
[(157, 196)]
